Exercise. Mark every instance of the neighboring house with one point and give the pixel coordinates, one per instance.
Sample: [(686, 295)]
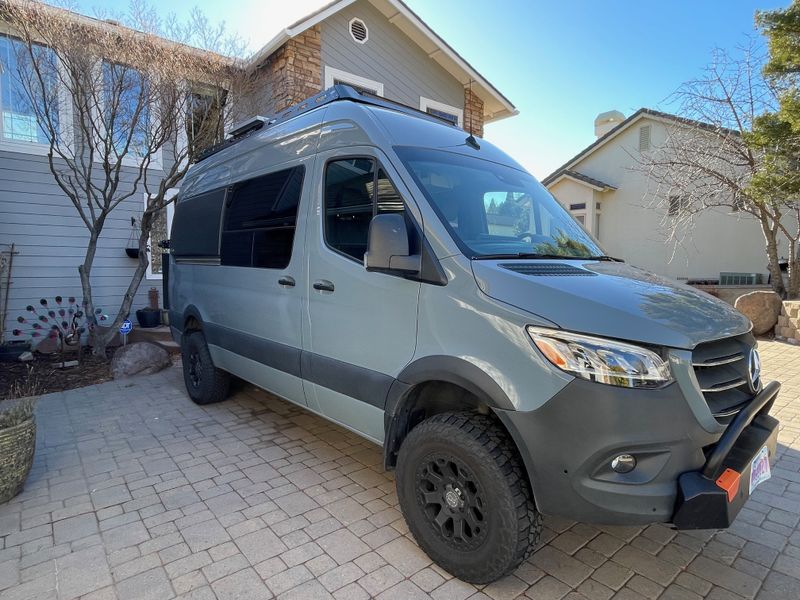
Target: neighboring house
[(377, 45), (605, 191)]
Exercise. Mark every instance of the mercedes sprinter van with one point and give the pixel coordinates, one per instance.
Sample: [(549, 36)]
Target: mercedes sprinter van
[(389, 272)]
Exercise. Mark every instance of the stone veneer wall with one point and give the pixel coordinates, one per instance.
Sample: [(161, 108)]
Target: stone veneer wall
[(294, 71), (473, 113), (788, 327)]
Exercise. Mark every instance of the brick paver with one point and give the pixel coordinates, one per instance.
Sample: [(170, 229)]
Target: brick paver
[(138, 493)]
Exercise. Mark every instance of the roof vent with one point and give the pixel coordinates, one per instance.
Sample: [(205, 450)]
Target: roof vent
[(644, 138), (546, 269), (359, 31)]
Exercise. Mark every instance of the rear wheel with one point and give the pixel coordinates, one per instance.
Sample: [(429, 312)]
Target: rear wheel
[(205, 383), (464, 494)]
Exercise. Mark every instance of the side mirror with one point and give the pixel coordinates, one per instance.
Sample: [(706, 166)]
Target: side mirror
[(388, 248)]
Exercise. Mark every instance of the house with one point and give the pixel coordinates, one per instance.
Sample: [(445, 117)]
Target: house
[(377, 45), (604, 190)]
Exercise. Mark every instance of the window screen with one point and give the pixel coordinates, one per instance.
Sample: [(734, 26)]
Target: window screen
[(260, 220), (351, 201)]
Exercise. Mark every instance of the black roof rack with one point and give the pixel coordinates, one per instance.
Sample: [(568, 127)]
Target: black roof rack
[(332, 94)]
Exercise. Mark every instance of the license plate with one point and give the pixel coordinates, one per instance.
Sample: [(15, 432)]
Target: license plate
[(759, 469)]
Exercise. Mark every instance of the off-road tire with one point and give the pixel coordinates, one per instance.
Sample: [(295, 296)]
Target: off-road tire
[(205, 383), (512, 523)]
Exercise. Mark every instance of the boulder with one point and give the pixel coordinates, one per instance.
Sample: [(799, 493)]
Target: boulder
[(762, 308), (138, 359)]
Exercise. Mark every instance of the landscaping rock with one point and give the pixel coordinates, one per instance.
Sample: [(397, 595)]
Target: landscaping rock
[(762, 308), (139, 358)]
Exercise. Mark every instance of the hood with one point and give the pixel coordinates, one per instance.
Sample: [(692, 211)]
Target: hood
[(612, 300)]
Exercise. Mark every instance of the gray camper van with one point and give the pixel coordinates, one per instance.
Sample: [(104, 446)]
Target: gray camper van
[(415, 285)]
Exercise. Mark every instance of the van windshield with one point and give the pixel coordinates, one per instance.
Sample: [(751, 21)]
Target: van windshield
[(494, 211)]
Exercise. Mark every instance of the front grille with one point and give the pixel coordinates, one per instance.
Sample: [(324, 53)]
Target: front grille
[(722, 371)]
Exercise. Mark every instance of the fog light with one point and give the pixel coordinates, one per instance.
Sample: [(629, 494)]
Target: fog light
[(624, 463)]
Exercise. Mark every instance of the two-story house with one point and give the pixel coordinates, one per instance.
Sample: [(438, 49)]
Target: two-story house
[(377, 45), (605, 189)]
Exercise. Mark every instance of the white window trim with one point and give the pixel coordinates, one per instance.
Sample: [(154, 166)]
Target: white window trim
[(65, 119), (332, 74), (590, 228), (171, 193), (425, 103)]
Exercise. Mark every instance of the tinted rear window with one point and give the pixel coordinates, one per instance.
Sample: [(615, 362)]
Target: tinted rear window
[(260, 219), (195, 231)]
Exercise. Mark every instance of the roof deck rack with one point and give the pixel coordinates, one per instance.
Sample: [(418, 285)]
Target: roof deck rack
[(332, 94)]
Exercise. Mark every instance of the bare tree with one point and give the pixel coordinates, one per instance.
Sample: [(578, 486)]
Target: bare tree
[(125, 112), (707, 161)]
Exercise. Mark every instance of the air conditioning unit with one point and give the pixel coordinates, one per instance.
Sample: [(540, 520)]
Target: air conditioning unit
[(740, 278)]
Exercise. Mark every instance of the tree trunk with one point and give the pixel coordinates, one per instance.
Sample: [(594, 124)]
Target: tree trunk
[(771, 237), (793, 268), (136, 279), (87, 304)]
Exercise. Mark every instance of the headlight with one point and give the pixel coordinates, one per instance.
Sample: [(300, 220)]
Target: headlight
[(601, 360)]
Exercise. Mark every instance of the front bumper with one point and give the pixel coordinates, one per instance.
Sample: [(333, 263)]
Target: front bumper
[(568, 444), (702, 502)]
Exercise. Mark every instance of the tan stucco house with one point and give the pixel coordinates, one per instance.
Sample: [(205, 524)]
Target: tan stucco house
[(614, 201), (377, 45)]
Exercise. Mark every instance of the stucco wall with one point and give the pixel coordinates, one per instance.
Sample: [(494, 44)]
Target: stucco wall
[(633, 229)]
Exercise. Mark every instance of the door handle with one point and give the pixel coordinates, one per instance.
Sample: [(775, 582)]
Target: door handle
[(286, 281), (323, 285)]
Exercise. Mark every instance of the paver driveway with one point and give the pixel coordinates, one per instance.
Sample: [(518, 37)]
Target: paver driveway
[(138, 493)]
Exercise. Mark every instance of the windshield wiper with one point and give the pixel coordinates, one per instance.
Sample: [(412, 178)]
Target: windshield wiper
[(606, 258), (538, 255)]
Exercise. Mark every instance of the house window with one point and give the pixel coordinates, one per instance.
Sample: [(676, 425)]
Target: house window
[(677, 205), (126, 109), (443, 111), (580, 214), (260, 217), (644, 138), (362, 84), (205, 122), (355, 190), (20, 123)]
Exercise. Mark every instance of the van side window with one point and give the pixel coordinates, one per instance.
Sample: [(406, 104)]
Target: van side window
[(355, 190), (195, 233), (260, 219)]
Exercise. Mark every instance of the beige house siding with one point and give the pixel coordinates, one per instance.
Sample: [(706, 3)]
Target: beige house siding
[(632, 228)]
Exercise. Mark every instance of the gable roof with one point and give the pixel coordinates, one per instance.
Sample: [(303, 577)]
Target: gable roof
[(637, 116), (596, 184), (496, 105)]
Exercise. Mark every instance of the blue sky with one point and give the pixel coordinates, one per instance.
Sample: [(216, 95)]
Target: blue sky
[(560, 62)]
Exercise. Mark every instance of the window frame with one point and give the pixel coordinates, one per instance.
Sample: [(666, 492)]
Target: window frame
[(65, 116), (332, 74), (170, 208), (378, 167), (425, 103)]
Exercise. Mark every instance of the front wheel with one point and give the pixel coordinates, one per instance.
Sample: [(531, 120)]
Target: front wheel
[(205, 383), (463, 491)]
